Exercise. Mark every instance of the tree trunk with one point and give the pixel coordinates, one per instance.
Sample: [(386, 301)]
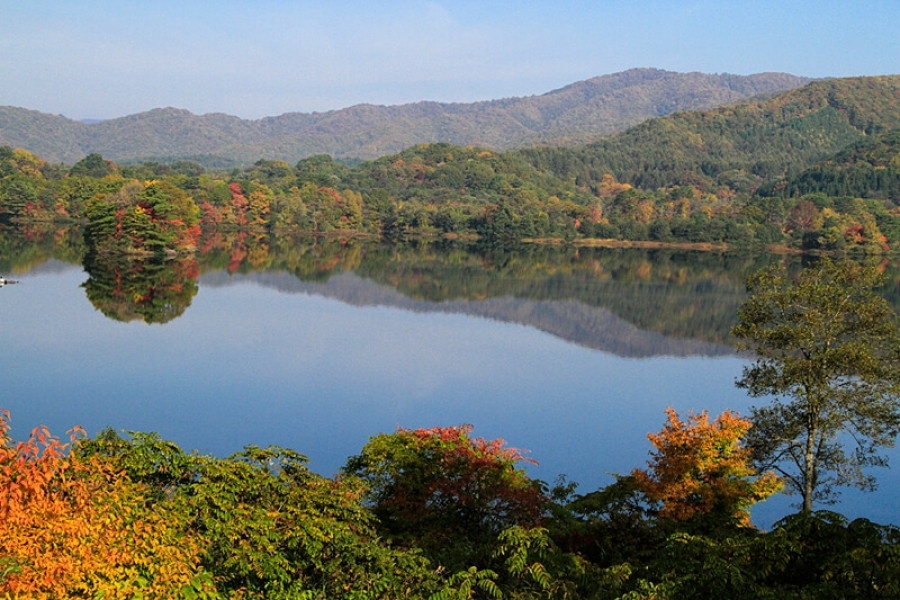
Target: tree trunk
[(809, 464)]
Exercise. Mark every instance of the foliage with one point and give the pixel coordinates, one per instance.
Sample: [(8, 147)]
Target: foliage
[(700, 470), (449, 493), (153, 218), (809, 555), (136, 517), (530, 565), (827, 349), (93, 165), (269, 527), (614, 525), (78, 528)]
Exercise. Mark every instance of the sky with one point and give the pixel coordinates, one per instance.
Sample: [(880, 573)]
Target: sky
[(93, 59)]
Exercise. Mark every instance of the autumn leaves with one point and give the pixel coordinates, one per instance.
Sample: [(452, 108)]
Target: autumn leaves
[(72, 526), (134, 517), (702, 468)]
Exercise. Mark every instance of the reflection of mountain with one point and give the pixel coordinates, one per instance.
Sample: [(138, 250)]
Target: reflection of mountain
[(571, 320)]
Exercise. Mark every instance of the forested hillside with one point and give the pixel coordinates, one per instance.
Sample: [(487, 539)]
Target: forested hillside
[(867, 169), (578, 113), (738, 147), (814, 168)]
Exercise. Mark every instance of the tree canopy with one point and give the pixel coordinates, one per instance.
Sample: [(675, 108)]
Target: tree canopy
[(828, 350)]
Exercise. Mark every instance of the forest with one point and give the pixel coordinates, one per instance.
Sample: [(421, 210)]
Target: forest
[(812, 169)]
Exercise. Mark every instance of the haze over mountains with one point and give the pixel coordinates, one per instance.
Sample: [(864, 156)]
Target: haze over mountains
[(578, 113)]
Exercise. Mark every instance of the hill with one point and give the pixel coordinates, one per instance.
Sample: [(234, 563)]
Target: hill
[(578, 113), (867, 169), (737, 147), (812, 168)]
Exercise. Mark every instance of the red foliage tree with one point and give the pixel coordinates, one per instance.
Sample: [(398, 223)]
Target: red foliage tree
[(431, 487)]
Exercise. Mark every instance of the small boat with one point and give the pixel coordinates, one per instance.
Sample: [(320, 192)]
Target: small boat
[(4, 281)]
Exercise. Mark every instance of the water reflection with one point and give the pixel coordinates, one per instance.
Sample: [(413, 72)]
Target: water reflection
[(153, 291), (630, 302)]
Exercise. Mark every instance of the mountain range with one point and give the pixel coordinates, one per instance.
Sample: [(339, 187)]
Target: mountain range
[(582, 112)]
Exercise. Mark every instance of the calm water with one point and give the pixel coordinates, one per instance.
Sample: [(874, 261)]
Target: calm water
[(575, 364)]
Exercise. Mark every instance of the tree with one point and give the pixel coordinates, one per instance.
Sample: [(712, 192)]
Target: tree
[(93, 165), (701, 469), (446, 492), (143, 219), (268, 527), (827, 349)]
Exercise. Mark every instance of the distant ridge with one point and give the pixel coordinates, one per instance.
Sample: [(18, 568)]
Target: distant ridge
[(578, 113)]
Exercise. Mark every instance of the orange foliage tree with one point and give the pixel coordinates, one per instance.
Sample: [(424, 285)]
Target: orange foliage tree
[(701, 469), (73, 527)]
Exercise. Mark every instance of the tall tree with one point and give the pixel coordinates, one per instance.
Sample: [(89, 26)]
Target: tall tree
[(828, 349)]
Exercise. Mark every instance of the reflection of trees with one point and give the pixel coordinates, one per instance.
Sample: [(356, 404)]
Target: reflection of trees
[(153, 291), (25, 246), (676, 293), (235, 251), (317, 258)]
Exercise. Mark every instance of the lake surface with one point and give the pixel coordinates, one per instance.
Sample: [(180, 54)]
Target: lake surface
[(573, 355)]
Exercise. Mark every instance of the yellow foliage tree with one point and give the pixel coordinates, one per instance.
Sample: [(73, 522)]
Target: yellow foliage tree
[(702, 469), (73, 527)]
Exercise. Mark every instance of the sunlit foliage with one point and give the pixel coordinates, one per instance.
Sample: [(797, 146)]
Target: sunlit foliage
[(448, 492), (78, 528), (702, 469)]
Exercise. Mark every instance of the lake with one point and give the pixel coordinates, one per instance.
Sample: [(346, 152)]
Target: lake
[(572, 354)]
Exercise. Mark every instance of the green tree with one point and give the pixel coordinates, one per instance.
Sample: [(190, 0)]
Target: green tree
[(267, 526), (143, 218), (93, 165), (827, 349)]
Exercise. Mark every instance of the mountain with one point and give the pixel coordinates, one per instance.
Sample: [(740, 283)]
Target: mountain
[(739, 147), (578, 113)]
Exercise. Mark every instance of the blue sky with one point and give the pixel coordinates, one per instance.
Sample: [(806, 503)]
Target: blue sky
[(92, 59)]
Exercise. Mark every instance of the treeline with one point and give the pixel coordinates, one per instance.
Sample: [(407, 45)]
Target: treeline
[(429, 513), (435, 189), (814, 168)]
